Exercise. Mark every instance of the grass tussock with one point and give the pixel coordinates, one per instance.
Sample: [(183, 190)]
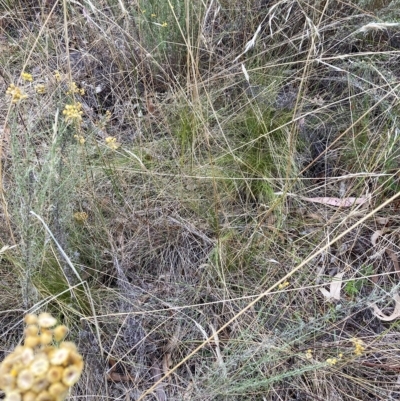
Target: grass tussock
[(180, 179)]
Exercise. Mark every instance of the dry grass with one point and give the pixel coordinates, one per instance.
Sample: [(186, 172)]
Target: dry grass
[(187, 253)]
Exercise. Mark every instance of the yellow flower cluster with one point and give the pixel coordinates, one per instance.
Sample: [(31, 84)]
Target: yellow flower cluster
[(57, 76), (359, 346), (37, 370), (80, 139), (283, 285), (27, 77), (41, 89), (334, 361), (309, 354), (112, 143), (73, 88), (73, 112), (80, 217), (331, 361), (15, 93)]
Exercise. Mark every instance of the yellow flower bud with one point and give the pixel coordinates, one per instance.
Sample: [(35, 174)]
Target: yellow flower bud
[(59, 356), (57, 389), (31, 330), (76, 360), (13, 396), (29, 396), (17, 352), (60, 332), (32, 341), (7, 381), (71, 375), (44, 396), (6, 365), (69, 346), (40, 384), (40, 365), (55, 374), (46, 337), (30, 319), (46, 320), (27, 356), (25, 380)]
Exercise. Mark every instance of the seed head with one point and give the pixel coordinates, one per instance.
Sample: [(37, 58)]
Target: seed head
[(31, 319), (40, 365), (25, 379), (46, 321), (59, 356), (60, 332), (71, 375), (57, 389), (55, 374), (13, 396), (29, 396)]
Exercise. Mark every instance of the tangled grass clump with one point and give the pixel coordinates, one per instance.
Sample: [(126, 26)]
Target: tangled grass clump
[(39, 370)]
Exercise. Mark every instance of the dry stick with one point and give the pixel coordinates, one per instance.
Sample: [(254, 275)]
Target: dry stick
[(283, 279)]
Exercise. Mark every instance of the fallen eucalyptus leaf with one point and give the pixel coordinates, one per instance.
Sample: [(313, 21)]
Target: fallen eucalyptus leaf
[(396, 313), (376, 235), (338, 202), (332, 201), (334, 289), (391, 253)]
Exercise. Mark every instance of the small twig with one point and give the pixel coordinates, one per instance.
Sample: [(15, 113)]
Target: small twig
[(391, 368), (157, 377)]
